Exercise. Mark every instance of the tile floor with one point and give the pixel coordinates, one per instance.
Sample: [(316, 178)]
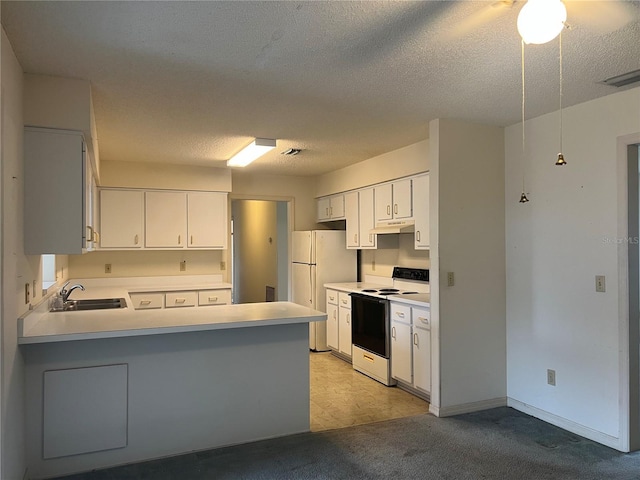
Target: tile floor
[(341, 397)]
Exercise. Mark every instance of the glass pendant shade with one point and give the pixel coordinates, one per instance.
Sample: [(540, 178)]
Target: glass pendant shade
[(561, 161), (523, 198), (540, 21)]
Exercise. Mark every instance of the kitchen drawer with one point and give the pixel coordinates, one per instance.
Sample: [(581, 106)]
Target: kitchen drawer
[(400, 313), (421, 317), (344, 300), (332, 297), (147, 300), (181, 299), (214, 297)]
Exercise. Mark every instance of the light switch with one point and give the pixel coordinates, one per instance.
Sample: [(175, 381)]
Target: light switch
[(600, 283)]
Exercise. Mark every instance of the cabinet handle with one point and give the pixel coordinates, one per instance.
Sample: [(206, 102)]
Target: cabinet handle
[(135, 239), (348, 318), (213, 299), (179, 239), (415, 339), (355, 238), (334, 314), (181, 300), (332, 298), (400, 314), (331, 211), (393, 332), (395, 208), (191, 239), (424, 320), (145, 302), (388, 209), (91, 234), (327, 211), (370, 238), (417, 235), (96, 237), (344, 302)]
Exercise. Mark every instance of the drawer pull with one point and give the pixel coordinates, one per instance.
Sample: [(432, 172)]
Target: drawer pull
[(181, 300), (145, 302), (344, 301), (424, 320), (213, 299), (332, 298), (400, 314), (368, 357)]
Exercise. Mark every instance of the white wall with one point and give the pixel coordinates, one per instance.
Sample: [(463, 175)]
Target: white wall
[(556, 244), (402, 162), (16, 268), (467, 180)]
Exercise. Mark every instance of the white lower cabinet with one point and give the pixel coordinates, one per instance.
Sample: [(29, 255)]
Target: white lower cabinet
[(344, 323), (411, 345), (181, 299), (214, 297), (332, 319)]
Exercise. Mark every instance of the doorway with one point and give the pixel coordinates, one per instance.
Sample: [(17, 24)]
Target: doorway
[(259, 250)]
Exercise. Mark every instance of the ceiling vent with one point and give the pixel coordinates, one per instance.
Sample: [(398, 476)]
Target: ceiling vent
[(624, 79), (291, 151)]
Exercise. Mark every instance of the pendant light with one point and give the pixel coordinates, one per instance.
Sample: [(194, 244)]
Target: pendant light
[(523, 196), (560, 161)]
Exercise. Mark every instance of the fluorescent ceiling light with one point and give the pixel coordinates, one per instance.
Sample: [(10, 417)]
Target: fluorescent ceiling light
[(540, 21), (254, 150)]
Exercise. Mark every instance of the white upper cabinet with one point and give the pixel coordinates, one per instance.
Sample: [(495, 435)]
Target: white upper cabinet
[(421, 212), (331, 208), (57, 193), (367, 219), (393, 200), (165, 219), (207, 220), (121, 218), (352, 214)]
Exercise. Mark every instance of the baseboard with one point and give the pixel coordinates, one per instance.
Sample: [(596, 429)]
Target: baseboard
[(468, 407), (568, 425)]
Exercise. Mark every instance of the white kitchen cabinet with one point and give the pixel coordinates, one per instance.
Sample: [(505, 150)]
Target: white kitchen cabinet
[(214, 297), (344, 323), (207, 220), (145, 301), (401, 351), (421, 212), (331, 208), (180, 299), (352, 215), (57, 197), (367, 219), (121, 218), (393, 200), (332, 319), (411, 345), (421, 350), (165, 219)]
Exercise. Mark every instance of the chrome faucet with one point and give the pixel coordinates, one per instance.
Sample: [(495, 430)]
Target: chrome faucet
[(64, 293)]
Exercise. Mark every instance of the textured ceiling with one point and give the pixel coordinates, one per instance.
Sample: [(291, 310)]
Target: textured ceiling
[(193, 82)]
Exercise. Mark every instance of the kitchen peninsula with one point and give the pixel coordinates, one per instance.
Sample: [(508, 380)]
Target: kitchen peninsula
[(118, 386)]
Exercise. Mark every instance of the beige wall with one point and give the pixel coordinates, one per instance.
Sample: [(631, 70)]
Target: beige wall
[(402, 162), (298, 190), (17, 269), (256, 248), (393, 250)]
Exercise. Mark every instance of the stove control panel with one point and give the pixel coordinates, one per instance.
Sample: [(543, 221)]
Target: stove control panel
[(415, 274)]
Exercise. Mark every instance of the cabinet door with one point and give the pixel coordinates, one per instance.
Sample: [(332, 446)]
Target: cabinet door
[(121, 218), (422, 359), (324, 209), (352, 214), (336, 208), (332, 326), (421, 211), (165, 219), (367, 219), (344, 327), (401, 351), (207, 220), (402, 199), (383, 202)]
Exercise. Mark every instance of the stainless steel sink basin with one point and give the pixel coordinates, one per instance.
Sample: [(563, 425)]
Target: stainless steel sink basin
[(92, 304)]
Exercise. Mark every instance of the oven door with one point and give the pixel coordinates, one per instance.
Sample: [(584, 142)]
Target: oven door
[(370, 323)]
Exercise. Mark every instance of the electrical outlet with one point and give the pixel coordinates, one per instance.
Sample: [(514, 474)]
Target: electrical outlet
[(551, 377), (107, 268), (183, 265), (223, 265), (451, 281), (600, 283), (27, 295)]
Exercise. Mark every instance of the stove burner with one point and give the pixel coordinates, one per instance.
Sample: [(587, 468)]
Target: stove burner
[(386, 291), (406, 293), (369, 290)]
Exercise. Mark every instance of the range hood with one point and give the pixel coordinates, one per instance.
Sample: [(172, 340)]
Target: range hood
[(397, 226)]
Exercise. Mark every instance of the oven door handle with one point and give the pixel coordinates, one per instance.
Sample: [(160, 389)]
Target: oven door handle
[(368, 298)]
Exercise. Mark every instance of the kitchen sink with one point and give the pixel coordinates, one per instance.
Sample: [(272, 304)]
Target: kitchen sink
[(92, 304)]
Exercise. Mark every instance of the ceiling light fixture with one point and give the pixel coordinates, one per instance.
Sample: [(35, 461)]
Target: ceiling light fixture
[(251, 152), (291, 151), (540, 21)]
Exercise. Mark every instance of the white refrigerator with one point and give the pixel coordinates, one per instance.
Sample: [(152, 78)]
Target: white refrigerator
[(319, 257)]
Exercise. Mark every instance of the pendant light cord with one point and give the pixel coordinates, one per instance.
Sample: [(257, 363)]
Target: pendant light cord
[(523, 137), (561, 81)]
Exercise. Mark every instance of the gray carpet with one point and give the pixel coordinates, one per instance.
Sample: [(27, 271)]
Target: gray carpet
[(501, 443)]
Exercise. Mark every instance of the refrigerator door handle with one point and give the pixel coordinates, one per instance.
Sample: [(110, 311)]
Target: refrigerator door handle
[(311, 283)]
